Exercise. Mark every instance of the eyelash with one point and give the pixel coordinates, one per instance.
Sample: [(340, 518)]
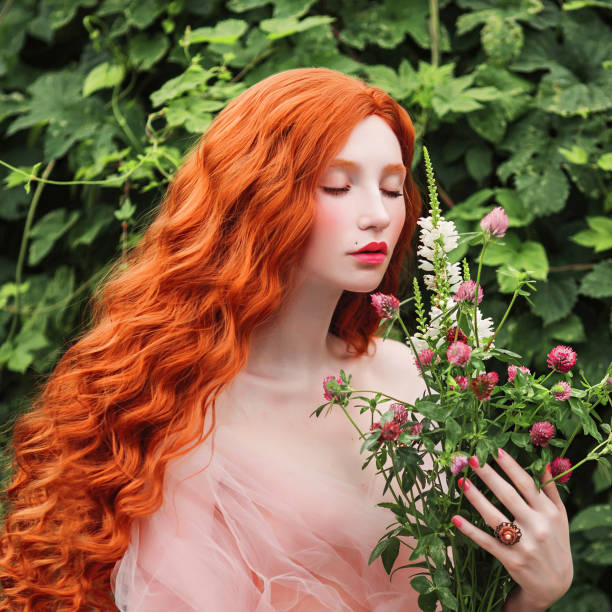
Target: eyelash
[(339, 190)]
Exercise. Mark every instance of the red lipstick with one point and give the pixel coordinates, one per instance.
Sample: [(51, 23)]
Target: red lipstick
[(372, 253)]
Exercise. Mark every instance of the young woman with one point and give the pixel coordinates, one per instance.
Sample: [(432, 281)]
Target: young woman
[(171, 456)]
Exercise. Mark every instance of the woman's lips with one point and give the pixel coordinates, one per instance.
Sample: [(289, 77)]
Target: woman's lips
[(370, 258), (372, 253)]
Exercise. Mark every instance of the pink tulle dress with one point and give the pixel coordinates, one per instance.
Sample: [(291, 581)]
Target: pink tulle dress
[(282, 519)]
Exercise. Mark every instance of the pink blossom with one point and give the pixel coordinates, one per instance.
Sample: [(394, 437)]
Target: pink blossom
[(541, 432), (561, 391), (462, 381), (388, 431), (512, 369), (425, 357), (561, 358), (416, 429), (467, 292), (560, 465), (455, 334), (400, 414), (327, 394), (458, 462), (458, 353), (483, 385), (496, 222), (387, 306)]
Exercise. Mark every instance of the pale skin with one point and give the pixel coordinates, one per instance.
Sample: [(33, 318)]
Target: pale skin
[(292, 353)]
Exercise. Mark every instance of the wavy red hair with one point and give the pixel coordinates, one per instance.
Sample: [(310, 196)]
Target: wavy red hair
[(172, 329)]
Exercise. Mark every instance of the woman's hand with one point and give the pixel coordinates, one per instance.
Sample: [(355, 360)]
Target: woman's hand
[(540, 562)]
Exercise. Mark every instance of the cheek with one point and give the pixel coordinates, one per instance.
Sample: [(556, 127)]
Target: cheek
[(328, 221)]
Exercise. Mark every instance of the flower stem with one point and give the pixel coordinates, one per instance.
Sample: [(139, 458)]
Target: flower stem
[(476, 291), (416, 354), (501, 323)]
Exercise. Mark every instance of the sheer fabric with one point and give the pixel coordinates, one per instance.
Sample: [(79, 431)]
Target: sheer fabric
[(282, 519)]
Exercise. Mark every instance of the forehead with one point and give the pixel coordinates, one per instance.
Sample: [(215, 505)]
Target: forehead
[(372, 141)]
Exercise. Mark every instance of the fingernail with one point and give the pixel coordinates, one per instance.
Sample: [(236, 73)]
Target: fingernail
[(500, 453), (547, 468), (456, 521), (464, 483), (474, 461)]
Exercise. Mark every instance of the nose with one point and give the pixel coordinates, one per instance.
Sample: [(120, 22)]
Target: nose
[(374, 213)]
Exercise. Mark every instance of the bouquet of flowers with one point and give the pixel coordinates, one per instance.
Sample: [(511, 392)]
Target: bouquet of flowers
[(466, 411)]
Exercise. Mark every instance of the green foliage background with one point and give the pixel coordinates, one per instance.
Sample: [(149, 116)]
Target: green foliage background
[(102, 98)]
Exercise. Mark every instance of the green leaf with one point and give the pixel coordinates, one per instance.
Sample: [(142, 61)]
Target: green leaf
[(569, 329), (575, 155), (389, 554), (605, 161), (518, 214), (529, 257), (594, 516), (598, 282), (421, 585), (281, 28), (103, 76), (47, 231), (226, 32), (145, 51), (192, 112), (195, 78), (89, 227), (554, 300), (599, 237)]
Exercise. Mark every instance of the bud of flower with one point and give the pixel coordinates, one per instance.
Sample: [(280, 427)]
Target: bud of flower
[(561, 391), (462, 381), (425, 357), (387, 306), (467, 292), (561, 358), (496, 222), (541, 432), (560, 465), (400, 414), (483, 385), (455, 334), (512, 369), (458, 353), (388, 431), (416, 429), (458, 462), (327, 393)]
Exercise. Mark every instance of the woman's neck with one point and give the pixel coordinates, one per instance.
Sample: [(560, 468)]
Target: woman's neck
[(294, 345)]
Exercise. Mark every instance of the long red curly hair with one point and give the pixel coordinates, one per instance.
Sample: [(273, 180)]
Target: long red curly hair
[(172, 329)]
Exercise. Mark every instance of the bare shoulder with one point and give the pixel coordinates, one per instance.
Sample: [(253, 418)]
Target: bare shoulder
[(391, 369)]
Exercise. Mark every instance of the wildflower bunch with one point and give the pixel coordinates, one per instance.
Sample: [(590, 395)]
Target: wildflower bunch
[(466, 410)]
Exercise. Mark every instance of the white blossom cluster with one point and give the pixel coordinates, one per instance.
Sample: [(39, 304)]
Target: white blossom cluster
[(447, 231)]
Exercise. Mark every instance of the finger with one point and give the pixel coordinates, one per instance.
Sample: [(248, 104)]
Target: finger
[(521, 479), (501, 488), (484, 540), (492, 516), (551, 488)]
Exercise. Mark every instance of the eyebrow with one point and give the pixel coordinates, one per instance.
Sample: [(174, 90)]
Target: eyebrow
[(388, 169)]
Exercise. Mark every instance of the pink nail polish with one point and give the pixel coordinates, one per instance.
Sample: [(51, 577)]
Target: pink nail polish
[(474, 461), (456, 521), (464, 483), (500, 453)]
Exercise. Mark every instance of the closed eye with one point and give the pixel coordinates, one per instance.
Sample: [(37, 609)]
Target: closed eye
[(340, 190)]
